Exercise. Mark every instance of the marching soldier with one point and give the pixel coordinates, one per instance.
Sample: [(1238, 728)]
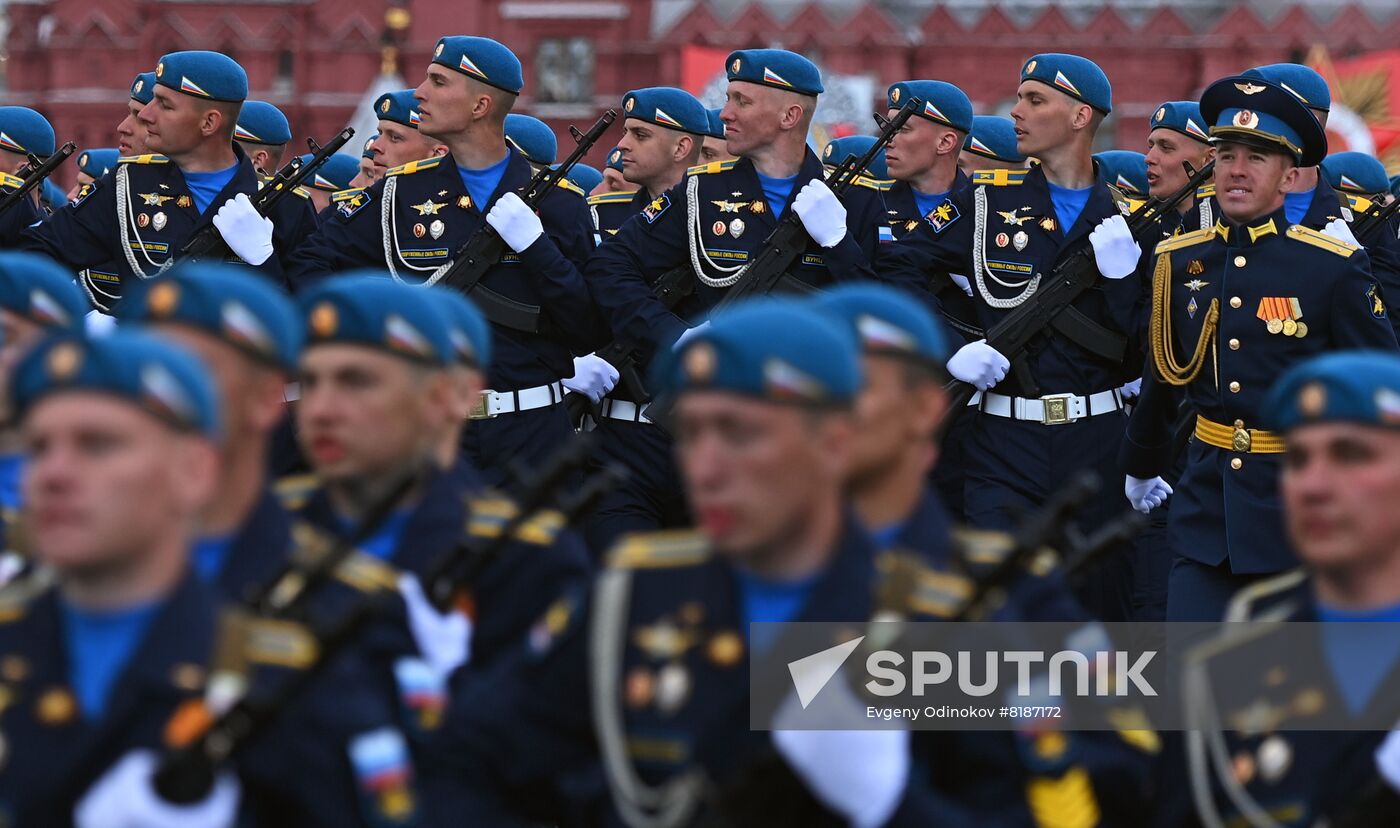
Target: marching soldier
[(92, 165), (1062, 410), (534, 296), (366, 175), (24, 132), (399, 140), (991, 145), (1252, 295), (144, 212), (1336, 416), (663, 131), (1176, 136), (131, 132), (264, 133), (715, 149), (710, 224), (923, 157)]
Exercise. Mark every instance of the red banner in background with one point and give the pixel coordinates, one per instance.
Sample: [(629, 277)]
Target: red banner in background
[(699, 66), (1368, 87)]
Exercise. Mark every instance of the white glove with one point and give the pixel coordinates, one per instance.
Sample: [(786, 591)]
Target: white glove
[(1146, 495), (962, 282), (859, 773), (98, 324), (822, 213), (1341, 231), (1388, 759), (1116, 252), (1132, 389), (444, 639), (689, 334), (516, 222), (593, 376), (125, 797), (247, 232), (979, 364)]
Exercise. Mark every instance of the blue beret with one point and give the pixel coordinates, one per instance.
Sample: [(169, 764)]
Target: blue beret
[(1346, 386), (886, 321), (1258, 112), (334, 174), (469, 330), (227, 302), (993, 137), (1355, 172), (156, 376), (668, 107), (780, 350), (777, 68), (1181, 116), (615, 159), (400, 107), (839, 149), (1073, 75), (375, 311), (1303, 81), (143, 89), (210, 75), (1395, 185), (368, 151), (584, 177), (23, 130), (39, 289), (944, 103), (532, 138), (98, 162), (1124, 169), (483, 59), (716, 129), (262, 123)]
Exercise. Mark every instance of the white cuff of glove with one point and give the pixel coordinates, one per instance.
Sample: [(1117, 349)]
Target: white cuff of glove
[(444, 639), (593, 376), (1341, 231), (1116, 252), (962, 282), (979, 364), (247, 232), (1388, 760), (822, 213), (1131, 389), (125, 797), (1146, 494), (689, 334), (517, 224)]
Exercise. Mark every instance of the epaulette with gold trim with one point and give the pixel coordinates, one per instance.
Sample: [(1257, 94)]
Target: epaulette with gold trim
[(872, 183), (1185, 240), (345, 195), (660, 550), (416, 166), (611, 198), (909, 586), (1244, 604), (143, 159), (1317, 238), (566, 184), (1205, 190), (302, 191), (1000, 178), (712, 167), (12, 182), (293, 491)]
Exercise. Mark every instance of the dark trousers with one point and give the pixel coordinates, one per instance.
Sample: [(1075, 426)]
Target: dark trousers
[(515, 443), (1200, 592), (651, 497)]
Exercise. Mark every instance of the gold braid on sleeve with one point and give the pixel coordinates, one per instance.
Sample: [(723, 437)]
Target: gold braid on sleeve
[(1160, 329)]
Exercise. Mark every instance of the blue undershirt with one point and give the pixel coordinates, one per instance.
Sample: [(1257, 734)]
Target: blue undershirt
[(885, 536), (1068, 204), (204, 186), (209, 555), (99, 646), (777, 191), (768, 601), (1361, 657), (926, 201), (11, 470), (385, 540), (1295, 205), (482, 184)]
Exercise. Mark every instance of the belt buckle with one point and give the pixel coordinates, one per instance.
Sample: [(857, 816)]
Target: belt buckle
[(481, 409), (1241, 440), (1055, 409)]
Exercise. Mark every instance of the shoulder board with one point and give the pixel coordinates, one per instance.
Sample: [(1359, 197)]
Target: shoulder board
[(142, 159), (916, 588), (712, 167), (1243, 604), (611, 198), (294, 491), (301, 191), (1317, 238), (488, 514), (660, 550), (999, 178), (872, 183), (10, 181), (1205, 190), (416, 166), (345, 195), (566, 184), (1185, 240)]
